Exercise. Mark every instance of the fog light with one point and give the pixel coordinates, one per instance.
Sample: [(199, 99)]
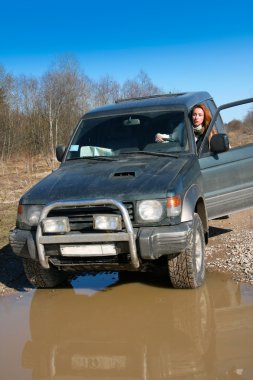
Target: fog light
[(107, 222), (55, 225)]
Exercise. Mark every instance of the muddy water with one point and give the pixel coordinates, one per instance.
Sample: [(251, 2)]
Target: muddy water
[(104, 328)]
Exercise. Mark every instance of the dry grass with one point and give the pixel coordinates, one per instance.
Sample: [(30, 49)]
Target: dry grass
[(240, 136)]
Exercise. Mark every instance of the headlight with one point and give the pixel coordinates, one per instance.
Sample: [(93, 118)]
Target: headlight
[(150, 210), (28, 215)]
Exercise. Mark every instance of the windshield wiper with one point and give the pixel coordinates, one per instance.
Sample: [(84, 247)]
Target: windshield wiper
[(164, 154), (100, 158)]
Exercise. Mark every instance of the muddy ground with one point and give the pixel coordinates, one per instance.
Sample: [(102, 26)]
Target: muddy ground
[(229, 251)]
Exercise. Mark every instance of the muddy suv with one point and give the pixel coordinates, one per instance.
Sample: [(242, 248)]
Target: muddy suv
[(120, 201)]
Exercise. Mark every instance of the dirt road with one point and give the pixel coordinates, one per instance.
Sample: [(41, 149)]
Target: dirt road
[(230, 248)]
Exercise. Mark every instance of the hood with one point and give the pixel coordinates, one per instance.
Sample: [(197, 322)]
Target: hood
[(131, 178)]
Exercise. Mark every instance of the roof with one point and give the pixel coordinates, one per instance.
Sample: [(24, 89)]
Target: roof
[(185, 100)]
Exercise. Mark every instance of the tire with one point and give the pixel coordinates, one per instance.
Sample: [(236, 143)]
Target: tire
[(187, 270), (40, 277)]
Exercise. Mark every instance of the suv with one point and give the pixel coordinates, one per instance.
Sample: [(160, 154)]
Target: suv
[(120, 201)]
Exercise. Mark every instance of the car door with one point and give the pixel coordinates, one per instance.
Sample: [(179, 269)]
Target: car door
[(228, 176)]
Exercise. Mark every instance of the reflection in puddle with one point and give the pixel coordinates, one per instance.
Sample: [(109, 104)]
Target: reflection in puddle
[(91, 284), (130, 330)]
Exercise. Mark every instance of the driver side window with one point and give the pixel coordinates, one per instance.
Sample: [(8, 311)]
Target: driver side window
[(219, 126)]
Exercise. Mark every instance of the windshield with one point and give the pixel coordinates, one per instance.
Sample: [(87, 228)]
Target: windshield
[(114, 135)]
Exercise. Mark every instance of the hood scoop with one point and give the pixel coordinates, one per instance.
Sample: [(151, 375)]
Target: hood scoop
[(125, 174), (129, 171)]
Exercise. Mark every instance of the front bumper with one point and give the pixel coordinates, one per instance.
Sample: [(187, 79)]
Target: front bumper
[(145, 243)]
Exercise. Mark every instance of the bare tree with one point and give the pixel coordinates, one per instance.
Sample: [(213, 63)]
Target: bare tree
[(29, 118), (106, 91), (2, 122), (142, 85), (64, 95), (248, 121), (6, 121)]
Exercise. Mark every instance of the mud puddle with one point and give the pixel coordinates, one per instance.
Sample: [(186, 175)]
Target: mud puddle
[(104, 328)]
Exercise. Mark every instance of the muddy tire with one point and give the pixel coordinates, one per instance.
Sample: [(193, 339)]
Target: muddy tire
[(187, 270), (40, 277)]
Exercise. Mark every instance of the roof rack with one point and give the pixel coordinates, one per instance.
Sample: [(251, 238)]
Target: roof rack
[(150, 97)]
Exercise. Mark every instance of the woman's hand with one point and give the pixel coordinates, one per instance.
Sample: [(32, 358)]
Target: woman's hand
[(159, 137)]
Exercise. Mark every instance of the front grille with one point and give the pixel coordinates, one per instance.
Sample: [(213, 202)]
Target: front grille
[(81, 218), (119, 259), (92, 264)]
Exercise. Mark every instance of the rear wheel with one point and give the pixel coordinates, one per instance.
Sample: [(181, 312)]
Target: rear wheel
[(187, 270), (40, 277)]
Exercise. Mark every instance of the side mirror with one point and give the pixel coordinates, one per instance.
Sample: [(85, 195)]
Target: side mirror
[(60, 150), (219, 143)]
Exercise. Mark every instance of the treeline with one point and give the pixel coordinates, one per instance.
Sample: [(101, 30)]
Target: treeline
[(38, 113), (240, 132)]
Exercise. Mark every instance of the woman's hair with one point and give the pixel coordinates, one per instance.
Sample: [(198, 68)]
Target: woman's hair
[(207, 114)]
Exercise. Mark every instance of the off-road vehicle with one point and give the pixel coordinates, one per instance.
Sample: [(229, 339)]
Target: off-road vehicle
[(120, 201)]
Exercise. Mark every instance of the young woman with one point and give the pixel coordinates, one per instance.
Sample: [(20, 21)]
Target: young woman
[(201, 118)]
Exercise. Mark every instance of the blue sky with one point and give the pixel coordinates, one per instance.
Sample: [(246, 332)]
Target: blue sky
[(181, 45)]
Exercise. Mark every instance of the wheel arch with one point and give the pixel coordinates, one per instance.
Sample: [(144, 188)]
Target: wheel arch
[(201, 211), (194, 202)]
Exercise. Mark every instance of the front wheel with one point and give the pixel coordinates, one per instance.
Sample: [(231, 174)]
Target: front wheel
[(187, 270), (40, 277)]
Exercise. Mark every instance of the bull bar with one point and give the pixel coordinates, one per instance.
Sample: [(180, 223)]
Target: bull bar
[(129, 235)]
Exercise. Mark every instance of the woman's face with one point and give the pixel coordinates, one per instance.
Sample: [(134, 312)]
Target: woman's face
[(197, 116)]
